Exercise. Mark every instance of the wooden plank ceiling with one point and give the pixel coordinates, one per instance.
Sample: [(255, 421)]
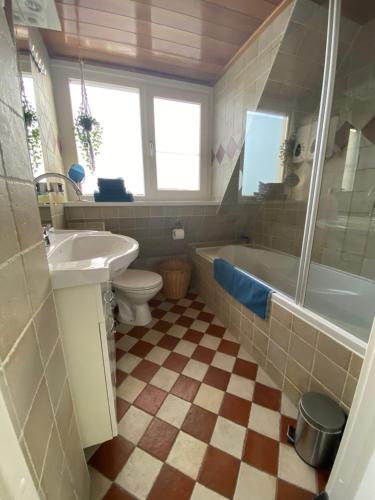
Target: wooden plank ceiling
[(190, 39)]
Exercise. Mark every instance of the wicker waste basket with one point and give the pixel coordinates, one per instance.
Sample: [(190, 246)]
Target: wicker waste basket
[(176, 275)]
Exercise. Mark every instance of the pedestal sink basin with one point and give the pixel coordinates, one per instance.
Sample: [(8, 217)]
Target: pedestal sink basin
[(84, 258)]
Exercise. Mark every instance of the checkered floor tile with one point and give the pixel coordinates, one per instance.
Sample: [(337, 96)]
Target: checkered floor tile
[(197, 417)]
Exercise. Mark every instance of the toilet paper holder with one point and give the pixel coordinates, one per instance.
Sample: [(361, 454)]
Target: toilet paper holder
[(178, 232)]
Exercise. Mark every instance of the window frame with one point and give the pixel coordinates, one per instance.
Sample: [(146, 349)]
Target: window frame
[(109, 86), (149, 86), (184, 96)]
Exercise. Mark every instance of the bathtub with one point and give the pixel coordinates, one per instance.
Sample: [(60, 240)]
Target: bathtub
[(345, 302)]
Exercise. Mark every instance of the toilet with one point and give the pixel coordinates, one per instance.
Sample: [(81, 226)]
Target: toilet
[(134, 289)]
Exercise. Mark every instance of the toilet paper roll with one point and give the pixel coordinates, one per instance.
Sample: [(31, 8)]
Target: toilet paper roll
[(178, 234)]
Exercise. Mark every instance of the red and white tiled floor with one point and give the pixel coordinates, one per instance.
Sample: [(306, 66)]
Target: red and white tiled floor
[(197, 417)]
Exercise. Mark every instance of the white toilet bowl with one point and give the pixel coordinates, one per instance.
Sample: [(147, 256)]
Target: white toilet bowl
[(134, 288)]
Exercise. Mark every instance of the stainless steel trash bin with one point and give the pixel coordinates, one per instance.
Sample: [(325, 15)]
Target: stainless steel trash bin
[(320, 424)]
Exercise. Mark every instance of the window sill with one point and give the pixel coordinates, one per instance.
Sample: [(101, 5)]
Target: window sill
[(148, 203)]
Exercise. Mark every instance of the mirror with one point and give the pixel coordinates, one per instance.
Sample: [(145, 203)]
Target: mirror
[(43, 140), (31, 114)]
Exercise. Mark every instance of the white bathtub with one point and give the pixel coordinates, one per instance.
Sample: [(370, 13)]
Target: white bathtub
[(344, 302)]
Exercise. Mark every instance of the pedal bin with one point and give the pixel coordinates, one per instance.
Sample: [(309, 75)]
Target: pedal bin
[(320, 425)]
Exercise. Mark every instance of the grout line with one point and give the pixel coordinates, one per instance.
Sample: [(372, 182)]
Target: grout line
[(24, 330), (21, 253), (13, 110)]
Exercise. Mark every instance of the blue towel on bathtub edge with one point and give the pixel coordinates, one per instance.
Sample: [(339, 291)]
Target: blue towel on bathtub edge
[(224, 274), (250, 292)]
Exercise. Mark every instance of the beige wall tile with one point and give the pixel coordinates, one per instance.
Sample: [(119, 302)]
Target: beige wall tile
[(260, 340), (349, 390), (280, 334), (235, 318), (329, 374), (23, 377), (334, 351), (304, 330), (4, 388), (317, 386), (246, 328), (13, 138), (46, 328), (262, 324), (301, 352), (53, 466), (66, 490), (276, 375), (92, 212), (8, 235), (56, 374), (292, 392), (248, 314), (37, 275), (73, 213), (26, 213), (77, 463), (29, 463), (64, 412), (282, 315), (14, 304), (297, 375), (277, 356), (110, 212), (38, 427), (355, 365), (259, 356)]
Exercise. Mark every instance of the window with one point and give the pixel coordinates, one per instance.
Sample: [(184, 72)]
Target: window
[(156, 131), (118, 111), (177, 144), (265, 134)]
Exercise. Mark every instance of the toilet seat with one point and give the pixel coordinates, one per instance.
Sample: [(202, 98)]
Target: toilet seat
[(137, 280)]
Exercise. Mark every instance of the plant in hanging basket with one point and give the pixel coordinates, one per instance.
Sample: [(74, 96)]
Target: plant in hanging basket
[(89, 134), (32, 133), (286, 150), (87, 129)]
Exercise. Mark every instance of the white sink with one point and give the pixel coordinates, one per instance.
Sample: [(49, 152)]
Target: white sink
[(85, 258)]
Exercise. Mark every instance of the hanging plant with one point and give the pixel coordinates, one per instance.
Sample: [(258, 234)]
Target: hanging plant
[(286, 151), (32, 132), (87, 129)]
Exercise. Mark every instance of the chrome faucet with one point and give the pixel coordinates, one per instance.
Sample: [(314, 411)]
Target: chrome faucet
[(46, 239), (61, 176)]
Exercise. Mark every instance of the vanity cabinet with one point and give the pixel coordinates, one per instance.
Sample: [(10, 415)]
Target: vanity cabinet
[(86, 321)]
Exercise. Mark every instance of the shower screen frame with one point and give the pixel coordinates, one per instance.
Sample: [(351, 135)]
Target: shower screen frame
[(326, 99)]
